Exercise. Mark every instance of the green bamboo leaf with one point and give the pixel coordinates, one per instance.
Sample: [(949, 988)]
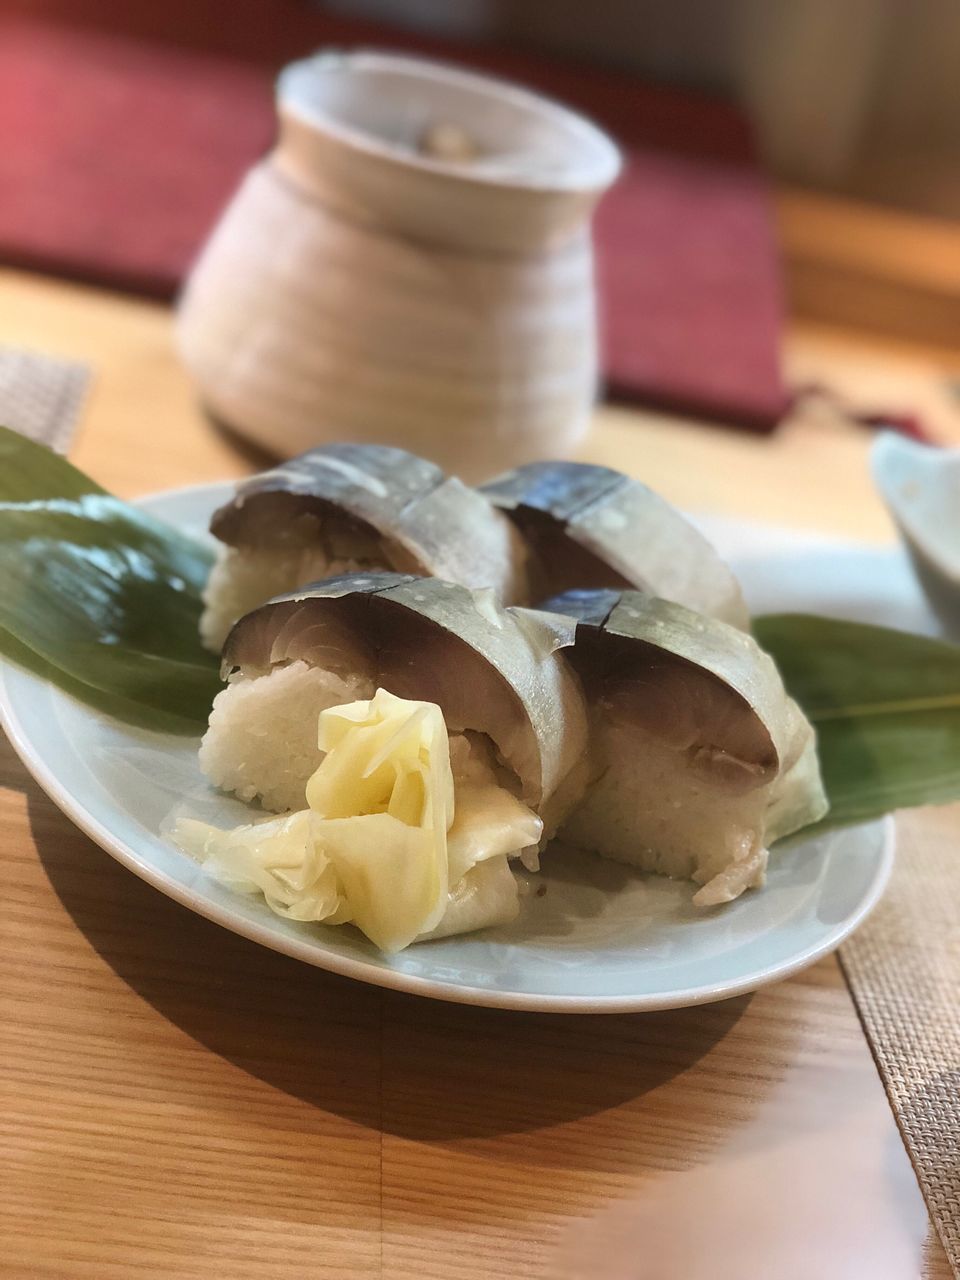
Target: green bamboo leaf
[(137, 713), (98, 595), (886, 707)]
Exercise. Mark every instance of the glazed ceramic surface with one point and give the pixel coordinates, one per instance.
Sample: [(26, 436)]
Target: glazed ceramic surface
[(921, 487), (361, 288), (601, 938)]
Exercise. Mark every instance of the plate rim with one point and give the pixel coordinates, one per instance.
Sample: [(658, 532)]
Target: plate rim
[(396, 980)]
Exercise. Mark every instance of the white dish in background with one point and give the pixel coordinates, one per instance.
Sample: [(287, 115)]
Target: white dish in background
[(920, 485), (601, 939)]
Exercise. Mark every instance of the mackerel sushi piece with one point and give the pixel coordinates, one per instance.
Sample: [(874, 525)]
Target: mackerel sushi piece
[(701, 759), (512, 704), (346, 508), (587, 527)]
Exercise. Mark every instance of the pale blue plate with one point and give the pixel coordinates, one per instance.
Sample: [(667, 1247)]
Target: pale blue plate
[(601, 939)]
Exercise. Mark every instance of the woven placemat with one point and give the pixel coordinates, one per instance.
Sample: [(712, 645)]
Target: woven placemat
[(903, 970), (41, 396)]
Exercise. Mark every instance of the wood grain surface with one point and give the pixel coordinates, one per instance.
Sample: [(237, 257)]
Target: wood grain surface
[(179, 1102)]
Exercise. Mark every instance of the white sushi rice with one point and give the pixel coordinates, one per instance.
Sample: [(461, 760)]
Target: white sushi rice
[(649, 809), (243, 578), (645, 809), (261, 742)]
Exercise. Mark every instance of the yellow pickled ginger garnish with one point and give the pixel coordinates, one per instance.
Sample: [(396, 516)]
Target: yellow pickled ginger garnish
[(389, 841), (278, 858), (383, 802)]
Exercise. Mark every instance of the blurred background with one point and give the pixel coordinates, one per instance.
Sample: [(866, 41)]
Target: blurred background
[(784, 158), (861, 98)]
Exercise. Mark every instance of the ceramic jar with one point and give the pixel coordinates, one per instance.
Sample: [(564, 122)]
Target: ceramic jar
[(411, 264)]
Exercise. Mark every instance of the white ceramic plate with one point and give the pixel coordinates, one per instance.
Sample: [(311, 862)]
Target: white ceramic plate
[(601, 939)]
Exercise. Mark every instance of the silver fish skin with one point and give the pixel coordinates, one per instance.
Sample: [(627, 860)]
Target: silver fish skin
[(700, 685), (498, 671), (589, 526), (389, 504)]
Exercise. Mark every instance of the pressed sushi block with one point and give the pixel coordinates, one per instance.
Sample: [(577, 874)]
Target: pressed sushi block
[(452, 739), (368, 283), (701, 760), (497, 674), (585, 526), (542, 529), (345, 508)]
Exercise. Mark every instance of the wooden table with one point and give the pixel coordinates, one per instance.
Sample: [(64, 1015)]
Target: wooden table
[(181, 1103)]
